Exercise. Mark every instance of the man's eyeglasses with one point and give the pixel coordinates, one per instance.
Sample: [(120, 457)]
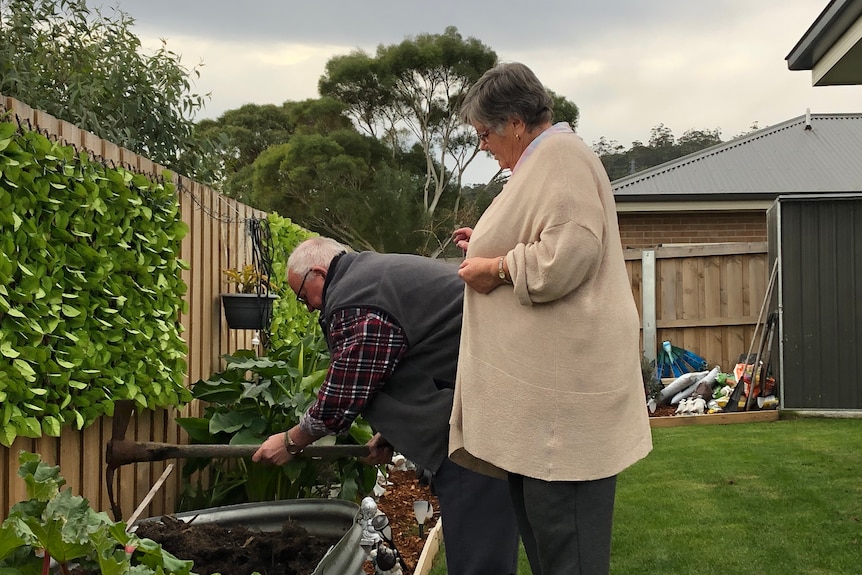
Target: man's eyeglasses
[(299, 297), (483, 136)]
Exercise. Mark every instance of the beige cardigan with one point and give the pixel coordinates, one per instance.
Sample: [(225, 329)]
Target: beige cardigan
[(549, 382)]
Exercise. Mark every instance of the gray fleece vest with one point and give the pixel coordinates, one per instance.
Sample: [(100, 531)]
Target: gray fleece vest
[(425, 298)]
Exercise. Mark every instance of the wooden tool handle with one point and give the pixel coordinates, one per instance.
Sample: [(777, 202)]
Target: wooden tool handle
[(124, 451)]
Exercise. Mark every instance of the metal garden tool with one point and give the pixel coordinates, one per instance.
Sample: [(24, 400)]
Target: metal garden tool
[(121, 451)]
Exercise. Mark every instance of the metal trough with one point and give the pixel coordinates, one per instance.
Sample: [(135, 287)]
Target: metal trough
[(332, 518)]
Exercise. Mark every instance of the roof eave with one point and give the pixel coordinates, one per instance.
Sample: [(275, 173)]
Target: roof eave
[(830, 25), (697, 197)]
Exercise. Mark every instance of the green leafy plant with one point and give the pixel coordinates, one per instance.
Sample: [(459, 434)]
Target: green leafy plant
[(652, 383), (91, 288), (291, 321), (251, 399), (249, 279), (56, 525)]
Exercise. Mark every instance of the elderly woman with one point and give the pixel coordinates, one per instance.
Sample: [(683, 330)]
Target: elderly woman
[(549, 391)]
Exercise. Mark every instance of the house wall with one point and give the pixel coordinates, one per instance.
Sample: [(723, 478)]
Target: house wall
[(641, 230)]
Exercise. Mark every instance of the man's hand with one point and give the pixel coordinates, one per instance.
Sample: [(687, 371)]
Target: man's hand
[(273, 451), (380, 451)]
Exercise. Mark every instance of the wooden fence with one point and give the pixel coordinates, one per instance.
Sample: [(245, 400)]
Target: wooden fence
[(705, 298), (217, 240)]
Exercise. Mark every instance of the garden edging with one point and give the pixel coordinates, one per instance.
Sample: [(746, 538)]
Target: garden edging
[(430, 550)]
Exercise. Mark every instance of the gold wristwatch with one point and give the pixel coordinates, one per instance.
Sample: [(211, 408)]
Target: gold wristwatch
[(501, 272)]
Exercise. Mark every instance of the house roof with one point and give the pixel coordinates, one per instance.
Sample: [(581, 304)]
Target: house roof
[(814, 153), (832, 47)]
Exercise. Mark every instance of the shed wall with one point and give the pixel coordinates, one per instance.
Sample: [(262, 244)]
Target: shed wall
[(818, 240)]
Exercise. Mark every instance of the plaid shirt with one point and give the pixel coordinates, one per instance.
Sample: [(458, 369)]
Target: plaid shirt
[(367, 347)]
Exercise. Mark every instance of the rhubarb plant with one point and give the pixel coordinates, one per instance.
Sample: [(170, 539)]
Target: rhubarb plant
[(56, 531)]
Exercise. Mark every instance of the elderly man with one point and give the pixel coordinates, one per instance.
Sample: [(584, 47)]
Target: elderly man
[(392, 324)]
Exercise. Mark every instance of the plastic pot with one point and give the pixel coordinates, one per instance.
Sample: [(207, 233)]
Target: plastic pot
[(247, 310)]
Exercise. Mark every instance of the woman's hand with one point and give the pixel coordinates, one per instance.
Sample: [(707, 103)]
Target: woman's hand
[(481, 274), (461, 237), (380, 451)]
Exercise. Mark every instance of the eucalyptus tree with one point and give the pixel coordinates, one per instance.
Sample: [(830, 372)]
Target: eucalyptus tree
[(409, 94), (341, 184), (89, 69), (241, 135)]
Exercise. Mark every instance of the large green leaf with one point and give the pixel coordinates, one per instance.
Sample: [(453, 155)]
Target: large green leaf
[(9, 540), (228, 422), (197, 429)]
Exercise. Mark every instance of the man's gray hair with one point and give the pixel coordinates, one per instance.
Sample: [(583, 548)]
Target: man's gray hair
[(317, 251)]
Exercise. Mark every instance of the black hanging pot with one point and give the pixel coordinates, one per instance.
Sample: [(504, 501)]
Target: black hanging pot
[(247, 310)]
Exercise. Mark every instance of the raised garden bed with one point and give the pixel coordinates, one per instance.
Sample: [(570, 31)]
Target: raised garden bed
[(297, 537), (294, 537), (714, 418)]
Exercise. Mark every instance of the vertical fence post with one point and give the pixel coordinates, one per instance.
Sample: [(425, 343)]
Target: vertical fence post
[(648, 303)]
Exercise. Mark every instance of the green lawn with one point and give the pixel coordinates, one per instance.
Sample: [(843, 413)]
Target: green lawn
[(747, 499)]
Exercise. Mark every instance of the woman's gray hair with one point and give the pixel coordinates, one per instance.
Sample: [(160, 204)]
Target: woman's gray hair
[(317, 251), (507, 91)]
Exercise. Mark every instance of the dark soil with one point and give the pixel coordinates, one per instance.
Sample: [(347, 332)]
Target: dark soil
[(240, 551), (664, 411), (237, 550)]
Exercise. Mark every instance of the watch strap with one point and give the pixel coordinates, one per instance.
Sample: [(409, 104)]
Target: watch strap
[(502, 272), (292, 447)]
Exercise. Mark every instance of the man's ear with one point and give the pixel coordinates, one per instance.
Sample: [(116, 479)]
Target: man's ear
[(320, 270)]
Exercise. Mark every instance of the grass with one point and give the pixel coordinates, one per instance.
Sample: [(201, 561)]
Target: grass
[(754, 499)]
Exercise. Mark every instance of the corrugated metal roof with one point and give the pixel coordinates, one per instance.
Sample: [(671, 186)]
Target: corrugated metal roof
[(782, 159)]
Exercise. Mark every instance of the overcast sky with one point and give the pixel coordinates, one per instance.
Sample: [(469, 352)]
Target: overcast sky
[(629, 65)]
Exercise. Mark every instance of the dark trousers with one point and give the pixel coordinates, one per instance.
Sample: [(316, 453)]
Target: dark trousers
[(480, 534), (565, 525)]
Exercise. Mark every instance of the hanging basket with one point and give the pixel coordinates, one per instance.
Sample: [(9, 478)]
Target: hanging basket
[(247, 310)]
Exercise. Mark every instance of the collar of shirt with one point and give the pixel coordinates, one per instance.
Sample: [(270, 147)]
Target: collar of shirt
[(558, 128), (330, 273)]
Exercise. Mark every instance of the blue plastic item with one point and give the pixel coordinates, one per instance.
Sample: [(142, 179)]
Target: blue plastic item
[(673, 361)]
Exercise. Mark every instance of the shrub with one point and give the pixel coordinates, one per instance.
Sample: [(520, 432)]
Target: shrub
[(251, 399)]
